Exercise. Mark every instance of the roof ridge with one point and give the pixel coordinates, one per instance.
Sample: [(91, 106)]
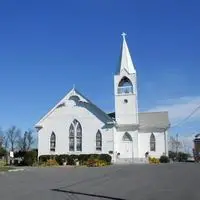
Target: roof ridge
[(59, 102)]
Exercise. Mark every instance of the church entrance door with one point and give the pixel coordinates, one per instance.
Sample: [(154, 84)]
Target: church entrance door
[(126, 150), (127, 146)]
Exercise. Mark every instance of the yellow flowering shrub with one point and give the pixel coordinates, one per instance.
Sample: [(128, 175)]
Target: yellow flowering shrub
[(153, 160), (51, 162), (96, 163)]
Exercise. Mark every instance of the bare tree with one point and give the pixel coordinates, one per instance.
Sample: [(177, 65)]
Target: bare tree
[(30, 139), (1, 137), (21, 142), (26, 141), (174, 144), (5, 142), (12, 135)]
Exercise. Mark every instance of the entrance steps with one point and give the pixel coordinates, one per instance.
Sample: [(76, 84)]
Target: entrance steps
[(131, 161)]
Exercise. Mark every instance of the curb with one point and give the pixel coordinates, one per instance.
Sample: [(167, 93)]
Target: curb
[(15, 170)]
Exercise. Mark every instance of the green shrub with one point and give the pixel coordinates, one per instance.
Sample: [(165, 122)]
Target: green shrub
[(164, 159), (30, 157), (19, 154), (60, 159), (96, 163), (91, 163), (182, 157), (71, 159), (2, 163), (105, 157), (83, 158), (93, 156), (172, 155), (51, 162), (153, 160), (44, 158), (3, 152)]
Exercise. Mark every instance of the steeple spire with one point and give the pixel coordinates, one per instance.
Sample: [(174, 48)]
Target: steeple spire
[(125, 58)]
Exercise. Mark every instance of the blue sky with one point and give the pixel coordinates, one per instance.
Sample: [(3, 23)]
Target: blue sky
[(47, 46)]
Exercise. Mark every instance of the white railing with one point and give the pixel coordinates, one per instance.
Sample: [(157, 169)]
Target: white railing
[(125, 90)]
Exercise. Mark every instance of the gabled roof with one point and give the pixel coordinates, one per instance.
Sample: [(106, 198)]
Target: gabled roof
[(150, 120), (73, 93), (126, 63), (154, 119)]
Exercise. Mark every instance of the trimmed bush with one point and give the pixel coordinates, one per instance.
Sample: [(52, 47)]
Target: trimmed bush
[(91, 163), (96, 163), (60, 159), (94, 156), (172, 155), (3, 152), (84, 159), (30, 157), (51, 162), (182, 157), (105, 157), (153, 160), (164, 159), (71, 159), (44, 158), (19, 154), (2, 163)]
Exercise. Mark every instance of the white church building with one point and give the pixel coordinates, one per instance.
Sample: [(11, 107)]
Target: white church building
[(75, 125)]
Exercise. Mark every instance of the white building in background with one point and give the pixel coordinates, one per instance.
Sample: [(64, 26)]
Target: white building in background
[(75, 125)]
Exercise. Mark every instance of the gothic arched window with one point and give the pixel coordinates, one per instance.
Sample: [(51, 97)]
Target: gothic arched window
[(152, 142), (71, 137), (125, 86), (75, 136), (127, 137), (52, 142), (98, 141), (78, 137)]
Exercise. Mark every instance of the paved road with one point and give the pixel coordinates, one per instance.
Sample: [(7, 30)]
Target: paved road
[(133, 182)]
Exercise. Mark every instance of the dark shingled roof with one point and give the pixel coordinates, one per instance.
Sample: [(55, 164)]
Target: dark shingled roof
[(151, 120)]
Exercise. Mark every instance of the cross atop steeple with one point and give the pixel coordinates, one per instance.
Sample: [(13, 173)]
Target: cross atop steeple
[(124, 35)]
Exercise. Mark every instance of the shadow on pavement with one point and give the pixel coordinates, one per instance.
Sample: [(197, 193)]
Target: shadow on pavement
[(86, 194)]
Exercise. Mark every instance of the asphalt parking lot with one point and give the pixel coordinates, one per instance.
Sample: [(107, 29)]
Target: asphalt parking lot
[(131, 182)]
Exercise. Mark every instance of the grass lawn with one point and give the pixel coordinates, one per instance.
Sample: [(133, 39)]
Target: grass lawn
[(5, 168)]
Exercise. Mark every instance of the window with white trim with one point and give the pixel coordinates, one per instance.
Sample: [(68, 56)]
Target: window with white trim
[(152, 142), (98, 141)]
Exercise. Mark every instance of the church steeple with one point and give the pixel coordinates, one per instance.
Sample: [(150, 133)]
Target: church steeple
[(126, 62), (125, 83)]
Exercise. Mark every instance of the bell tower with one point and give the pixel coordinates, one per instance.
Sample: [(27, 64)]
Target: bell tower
[(125, 89)]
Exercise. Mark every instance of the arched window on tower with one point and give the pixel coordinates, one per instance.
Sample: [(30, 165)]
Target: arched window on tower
[(98, 141), (127, 137), (125, 86), (52, 142), (152, 142), (71, 137)]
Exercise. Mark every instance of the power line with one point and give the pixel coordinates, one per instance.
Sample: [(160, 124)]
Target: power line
[(188, 117)]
